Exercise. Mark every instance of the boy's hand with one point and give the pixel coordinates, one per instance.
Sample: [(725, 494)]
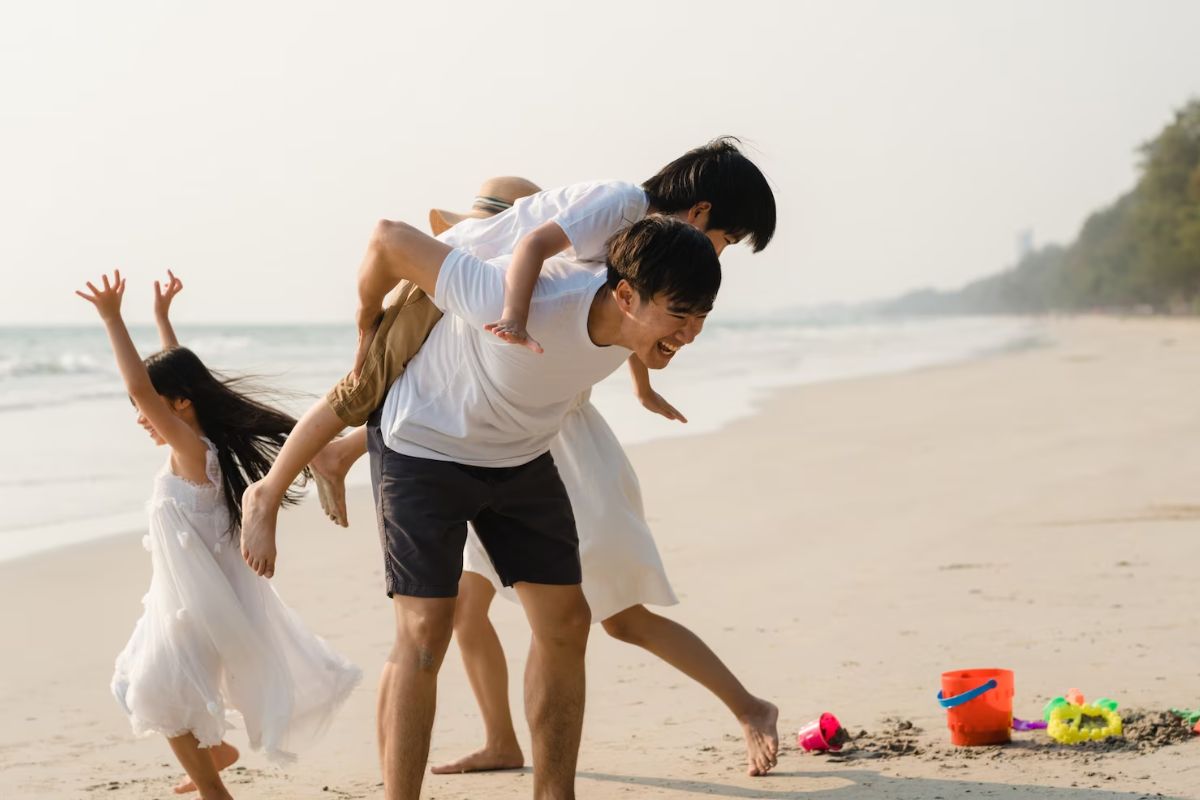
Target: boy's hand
[(513, 331), (163, 297), (107, 300), (653, 401)]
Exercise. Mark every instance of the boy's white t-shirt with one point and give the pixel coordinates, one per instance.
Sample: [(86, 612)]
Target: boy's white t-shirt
[(469, 397), (589, 213)]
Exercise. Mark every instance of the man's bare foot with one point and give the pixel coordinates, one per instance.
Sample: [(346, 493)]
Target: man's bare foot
[(760, 728), (259, 513), (223, 755), (485, 760), (329, 471)]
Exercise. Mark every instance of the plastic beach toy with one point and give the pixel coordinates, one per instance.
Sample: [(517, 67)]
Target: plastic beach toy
[(1072, 724), (979, 706), (821, 734)]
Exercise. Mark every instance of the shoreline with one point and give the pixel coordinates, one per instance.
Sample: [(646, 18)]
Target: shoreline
[(634, 425)]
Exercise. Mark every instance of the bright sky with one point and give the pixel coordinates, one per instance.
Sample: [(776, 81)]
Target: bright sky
[(252, 146)]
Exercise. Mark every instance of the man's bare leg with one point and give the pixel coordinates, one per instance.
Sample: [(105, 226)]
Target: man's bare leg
[(198, 764), (261, 500), (685, 651), (483, 658), (554, 684), (223, 756), (330, 467), (408, 691)]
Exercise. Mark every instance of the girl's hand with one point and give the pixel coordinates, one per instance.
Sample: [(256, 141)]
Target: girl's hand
[(653, 401), (107, 300), (513, 331), (163, 297)]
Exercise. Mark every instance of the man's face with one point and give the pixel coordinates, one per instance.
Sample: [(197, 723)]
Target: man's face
[(660, 328)]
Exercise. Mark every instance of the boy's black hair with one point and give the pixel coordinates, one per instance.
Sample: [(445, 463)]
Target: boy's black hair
[(742, 201), (663, 255), (247, 433)]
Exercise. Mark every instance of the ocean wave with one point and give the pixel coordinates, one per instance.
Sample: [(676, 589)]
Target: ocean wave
[(50, 364)]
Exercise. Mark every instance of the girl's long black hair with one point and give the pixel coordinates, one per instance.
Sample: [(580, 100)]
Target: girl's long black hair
[(246, 432)]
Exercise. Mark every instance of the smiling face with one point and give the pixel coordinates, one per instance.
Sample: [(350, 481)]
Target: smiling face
[(656, 328), (177, 407)]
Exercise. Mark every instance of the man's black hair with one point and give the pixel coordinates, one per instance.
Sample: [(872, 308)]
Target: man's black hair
[(742, 201), (661, 255)]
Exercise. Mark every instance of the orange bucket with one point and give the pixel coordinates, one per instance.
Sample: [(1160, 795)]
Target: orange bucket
[(979, 705)]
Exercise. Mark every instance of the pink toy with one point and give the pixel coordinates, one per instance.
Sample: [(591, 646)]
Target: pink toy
[(820, 734)]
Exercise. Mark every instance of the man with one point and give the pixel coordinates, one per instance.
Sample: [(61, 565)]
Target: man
[(464, 437)]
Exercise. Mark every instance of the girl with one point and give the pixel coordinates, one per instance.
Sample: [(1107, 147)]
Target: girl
[(214, 638)]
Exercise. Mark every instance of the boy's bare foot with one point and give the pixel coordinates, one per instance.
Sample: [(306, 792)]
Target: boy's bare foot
[(329, 472), (485, 760), (760, 728), (223, 755), (259, 513)]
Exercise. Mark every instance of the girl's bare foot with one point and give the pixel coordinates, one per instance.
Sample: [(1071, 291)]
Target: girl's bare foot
[(329, 471), (760, 727), (223, 755), (485, 760)]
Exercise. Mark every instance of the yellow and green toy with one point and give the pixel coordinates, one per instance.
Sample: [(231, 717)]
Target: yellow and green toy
[(1072, 720)]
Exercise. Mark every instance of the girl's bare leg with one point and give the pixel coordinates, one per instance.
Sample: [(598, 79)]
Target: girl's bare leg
[(261, 500), (199, 766), (329, 470), (483, 658), (223, 756), (685, 651)]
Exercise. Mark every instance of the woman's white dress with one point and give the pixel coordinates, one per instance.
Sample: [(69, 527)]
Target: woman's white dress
[(621, 564), (215, 645)]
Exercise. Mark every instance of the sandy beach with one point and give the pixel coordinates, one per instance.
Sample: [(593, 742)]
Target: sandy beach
[(1037, 511)]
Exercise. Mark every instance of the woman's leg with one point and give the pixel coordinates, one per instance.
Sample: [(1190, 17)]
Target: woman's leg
[(199, 766), (685, 651), (223, 756), (487, 671)]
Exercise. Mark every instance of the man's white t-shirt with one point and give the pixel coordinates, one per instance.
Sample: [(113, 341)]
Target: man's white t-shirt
[(589, 213), (469, 397)]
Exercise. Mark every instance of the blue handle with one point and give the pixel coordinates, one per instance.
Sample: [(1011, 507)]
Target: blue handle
[(959, 699)]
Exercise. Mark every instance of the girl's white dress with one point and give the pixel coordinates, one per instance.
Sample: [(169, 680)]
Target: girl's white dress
[(621, 564), (215, 644)]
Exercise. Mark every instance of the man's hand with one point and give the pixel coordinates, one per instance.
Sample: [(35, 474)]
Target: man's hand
[(653, 401)]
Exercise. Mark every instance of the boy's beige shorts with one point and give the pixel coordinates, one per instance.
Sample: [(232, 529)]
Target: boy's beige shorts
[(405, 325)]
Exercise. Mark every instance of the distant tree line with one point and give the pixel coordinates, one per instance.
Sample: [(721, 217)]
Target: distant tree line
[(1143, 251)]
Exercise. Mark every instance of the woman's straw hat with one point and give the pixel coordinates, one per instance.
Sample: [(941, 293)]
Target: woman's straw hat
[(495, 195)]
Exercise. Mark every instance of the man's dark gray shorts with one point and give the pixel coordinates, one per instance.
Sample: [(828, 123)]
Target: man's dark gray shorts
[(522, 516)]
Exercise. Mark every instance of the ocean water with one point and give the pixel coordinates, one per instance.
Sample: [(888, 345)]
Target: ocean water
[(78, 467)]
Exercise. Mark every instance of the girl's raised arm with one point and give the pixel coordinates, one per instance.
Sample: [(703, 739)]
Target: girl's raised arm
[(182, 439), (162, 310)]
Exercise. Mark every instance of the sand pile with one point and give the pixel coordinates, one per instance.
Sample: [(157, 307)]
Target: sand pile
[(1145, 731)]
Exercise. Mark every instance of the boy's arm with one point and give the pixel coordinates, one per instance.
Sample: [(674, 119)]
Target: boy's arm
[(531, 252), (183, 439), (162, 310), (652, 400)]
